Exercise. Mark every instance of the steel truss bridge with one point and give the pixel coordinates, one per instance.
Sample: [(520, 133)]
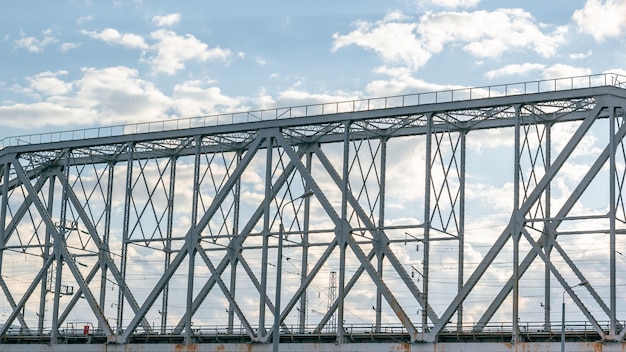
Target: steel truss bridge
[(442, 220)]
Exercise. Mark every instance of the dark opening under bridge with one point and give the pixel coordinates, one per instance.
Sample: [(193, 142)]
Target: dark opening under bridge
[(456, 220)]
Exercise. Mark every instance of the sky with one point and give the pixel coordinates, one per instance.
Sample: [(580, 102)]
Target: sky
[(78, 64), (82, 64)]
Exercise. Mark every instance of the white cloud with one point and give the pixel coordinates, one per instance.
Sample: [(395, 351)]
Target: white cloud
[(168, 53), (112, 36), (455, 3), (114, 95), (392, 38), (191, 99), (514, 69), (619, 71), (402, 82), (542, 71), (399, 40), (489, 33), (602, 19), (68, 46), (118, 95), (166, 21), (44, 114), (561, 70), (294, 97), (173, 50), (84, 19), (489, 139), (264, 101), (578, 56), (110, 96), (33, 44), (48, 83)]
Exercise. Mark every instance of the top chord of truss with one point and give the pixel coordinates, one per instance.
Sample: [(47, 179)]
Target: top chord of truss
[(351, 106)]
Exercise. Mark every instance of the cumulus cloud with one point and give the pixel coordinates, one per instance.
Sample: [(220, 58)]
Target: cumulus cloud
[(578, 56), (48, 83), (84, 19), (112, 36), (68, 46), (508, 30), (402, 82), (166, 21), (561, 70), (295, 97), (110, 96), (118, 95), (192, 99), (602, 19), (619, 71), (455, 3), (400, 40), (44, 114), (168, 52), (107, 96), (543, 71), (394, 38), (173, 50), (34, 44), (514, 69)]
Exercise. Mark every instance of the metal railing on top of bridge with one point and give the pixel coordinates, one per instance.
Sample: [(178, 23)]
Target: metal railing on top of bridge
[(358, 105)]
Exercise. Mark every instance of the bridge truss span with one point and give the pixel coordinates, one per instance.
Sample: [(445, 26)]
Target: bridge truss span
[(448, 220)]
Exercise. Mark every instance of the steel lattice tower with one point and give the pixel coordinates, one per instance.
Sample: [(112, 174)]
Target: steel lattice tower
[(332, 297)]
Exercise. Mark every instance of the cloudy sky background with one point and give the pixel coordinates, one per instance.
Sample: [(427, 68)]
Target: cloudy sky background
[(81, 64), (77, 64)]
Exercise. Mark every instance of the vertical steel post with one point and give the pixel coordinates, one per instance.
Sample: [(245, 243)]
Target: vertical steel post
[(279, 275), (547, 228), (3, 212), (461, 234), (266, 235), (563, 324), (104, 250), (305, 251), (168, 243), (516, 230), (381, 225), (344, 233), (234, 252), (45, 255), (612, 214), (58, 243), (427, 185), (128, 191), (192, 240)]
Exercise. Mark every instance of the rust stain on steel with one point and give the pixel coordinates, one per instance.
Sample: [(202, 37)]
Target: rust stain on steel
[(597, 347), (404, 347), (186, 348)]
